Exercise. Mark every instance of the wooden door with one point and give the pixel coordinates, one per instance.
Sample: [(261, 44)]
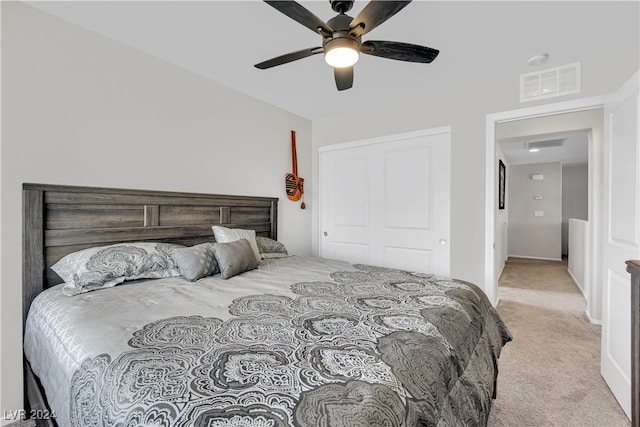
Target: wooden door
[(621, 237), (386, 202)]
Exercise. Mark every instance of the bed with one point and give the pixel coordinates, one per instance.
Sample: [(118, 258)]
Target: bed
[(297, 341)]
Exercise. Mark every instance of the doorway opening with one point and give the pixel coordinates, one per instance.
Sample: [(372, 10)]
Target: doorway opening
[(547, 190), (560, 120)]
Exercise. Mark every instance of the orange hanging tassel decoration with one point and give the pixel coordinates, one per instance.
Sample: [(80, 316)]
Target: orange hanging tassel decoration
[(294, 185)]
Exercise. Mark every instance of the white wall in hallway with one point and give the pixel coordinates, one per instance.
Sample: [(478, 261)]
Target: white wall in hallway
[(575, 198), (535, 211)]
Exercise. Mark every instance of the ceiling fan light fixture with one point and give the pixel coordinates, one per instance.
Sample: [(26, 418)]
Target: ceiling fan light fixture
[(342, 37), (341, 52)]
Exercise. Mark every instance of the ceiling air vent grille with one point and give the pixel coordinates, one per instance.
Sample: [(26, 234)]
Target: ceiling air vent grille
[(550, 82), (545, 144)]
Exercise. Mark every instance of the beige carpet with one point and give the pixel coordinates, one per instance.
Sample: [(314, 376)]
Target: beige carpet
[(550, 372)]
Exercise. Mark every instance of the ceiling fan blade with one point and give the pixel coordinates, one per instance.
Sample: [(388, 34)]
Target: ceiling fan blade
[(399, 51), (344, 77), (288, 57), (300, 14), (374, 14)]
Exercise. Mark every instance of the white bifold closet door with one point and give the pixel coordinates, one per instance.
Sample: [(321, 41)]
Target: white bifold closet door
[(386, 201)]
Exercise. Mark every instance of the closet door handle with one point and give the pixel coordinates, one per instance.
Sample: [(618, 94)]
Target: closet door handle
[(325, 234)]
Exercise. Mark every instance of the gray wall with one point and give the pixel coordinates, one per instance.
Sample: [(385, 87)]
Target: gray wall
[(533, 236), (575, 198), (81, 109)]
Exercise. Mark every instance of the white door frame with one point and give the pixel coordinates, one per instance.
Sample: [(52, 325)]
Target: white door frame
[(387, 138), (491, 282)]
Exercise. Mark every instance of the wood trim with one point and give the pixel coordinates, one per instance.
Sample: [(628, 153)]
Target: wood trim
[(225, 215), (130, 234), (33, 270), (274, 220), (34, 396), (633, 267), (151, 215), (70, 193)]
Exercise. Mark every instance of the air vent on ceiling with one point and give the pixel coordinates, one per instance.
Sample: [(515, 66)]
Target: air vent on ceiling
[(550, 82), (545, 144)]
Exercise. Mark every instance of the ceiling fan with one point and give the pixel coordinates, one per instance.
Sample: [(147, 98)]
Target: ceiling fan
[(341, 37)]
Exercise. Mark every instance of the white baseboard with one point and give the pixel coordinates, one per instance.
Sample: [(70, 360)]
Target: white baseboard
[(592, 320), (578, 285), (501, 269), (535, 257)]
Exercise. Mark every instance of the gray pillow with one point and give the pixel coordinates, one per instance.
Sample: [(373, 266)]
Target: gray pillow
[(270, 248), (234, 257), (106, 266), (196, 261), (226, 235)]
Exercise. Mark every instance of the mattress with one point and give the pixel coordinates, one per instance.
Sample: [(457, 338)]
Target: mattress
[(299, 341)]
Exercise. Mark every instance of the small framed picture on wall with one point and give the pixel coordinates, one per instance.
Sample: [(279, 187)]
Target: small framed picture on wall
[(502, 176)]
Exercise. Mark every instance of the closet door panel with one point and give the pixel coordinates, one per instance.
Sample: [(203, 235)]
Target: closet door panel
[(386, 202)]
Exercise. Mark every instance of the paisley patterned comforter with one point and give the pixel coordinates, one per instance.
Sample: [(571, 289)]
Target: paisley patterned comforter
[(297, 342)]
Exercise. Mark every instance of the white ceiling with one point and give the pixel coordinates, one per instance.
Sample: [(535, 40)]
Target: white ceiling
[(574, 127), (222, 40), (573, 151)]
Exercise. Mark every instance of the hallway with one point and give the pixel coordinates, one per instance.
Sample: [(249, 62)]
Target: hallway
[(550, 372)]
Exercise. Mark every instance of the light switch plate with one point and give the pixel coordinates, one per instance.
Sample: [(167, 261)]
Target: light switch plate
[(538, 213)]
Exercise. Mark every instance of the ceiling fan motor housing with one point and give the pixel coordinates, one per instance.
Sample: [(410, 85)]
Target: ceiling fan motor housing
[(341, 6), (341, 31), (341, 37), (345, 41)]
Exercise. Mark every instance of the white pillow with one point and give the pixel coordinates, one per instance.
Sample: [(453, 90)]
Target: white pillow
[(226, 235)]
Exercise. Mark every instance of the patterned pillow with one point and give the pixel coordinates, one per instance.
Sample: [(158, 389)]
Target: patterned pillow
[(234, 257), (196, 261), (106, 266), (226, 235), (270, 248)]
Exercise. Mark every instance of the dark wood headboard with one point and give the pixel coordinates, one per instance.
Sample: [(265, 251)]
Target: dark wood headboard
[(58, 220)]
